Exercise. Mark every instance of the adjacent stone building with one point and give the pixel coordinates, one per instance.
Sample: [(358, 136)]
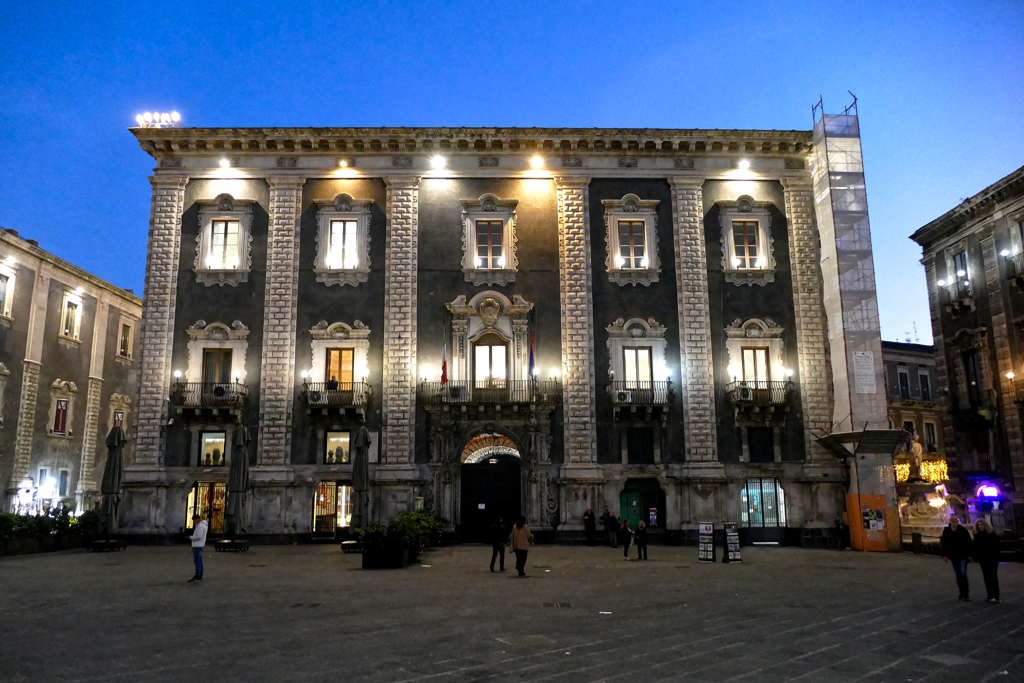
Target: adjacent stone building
[(528, 321), (68, 374), (974, 262)]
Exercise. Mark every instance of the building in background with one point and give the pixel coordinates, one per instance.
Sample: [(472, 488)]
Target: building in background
[(526, 321), (974, 261), (68, 374), (914, 406)]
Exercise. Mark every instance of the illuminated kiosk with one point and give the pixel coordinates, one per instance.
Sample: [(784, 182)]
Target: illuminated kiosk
[(871, 506)]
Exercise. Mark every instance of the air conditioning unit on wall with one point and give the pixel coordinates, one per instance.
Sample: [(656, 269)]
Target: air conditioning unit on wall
[(623, 397), (744, 393)]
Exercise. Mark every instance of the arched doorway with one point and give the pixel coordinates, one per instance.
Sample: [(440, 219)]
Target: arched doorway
[(490, 485)]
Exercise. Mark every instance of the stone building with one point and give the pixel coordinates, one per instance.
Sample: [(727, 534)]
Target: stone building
[(68, 357), (974, 262), (911, 392), (525, 320)]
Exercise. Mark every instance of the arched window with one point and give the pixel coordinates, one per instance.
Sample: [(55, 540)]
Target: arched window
[(490, 362)]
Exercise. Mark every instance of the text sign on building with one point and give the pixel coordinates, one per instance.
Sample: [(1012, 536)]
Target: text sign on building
[(706, 542), (653, 516), (732, 544), (864, 371)]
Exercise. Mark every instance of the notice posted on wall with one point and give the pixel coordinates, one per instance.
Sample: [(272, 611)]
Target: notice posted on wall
[(732, 544), (706, 542), (864, 372), (652, 514)]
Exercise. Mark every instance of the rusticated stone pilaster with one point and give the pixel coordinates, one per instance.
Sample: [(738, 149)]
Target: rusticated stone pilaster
[(26, 421), (87, 477)]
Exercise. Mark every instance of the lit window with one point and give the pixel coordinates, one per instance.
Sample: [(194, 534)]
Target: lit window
[(489, 240), (223, 253), (212, 449), (64, 477), (746, 250), (490, 362), (124, 346), (632, 240), (6, 293), (207, 499), (636, 364), (489, 255), (340, 366), (337, 448), (71, 316), (343, 241), (755, 364), (960, 271), (42, 476), (60, 417), (632, 243), (763, 503), (343, 252), (332, 507)]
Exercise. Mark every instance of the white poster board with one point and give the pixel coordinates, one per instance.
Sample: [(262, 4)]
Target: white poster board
[(864, 372)]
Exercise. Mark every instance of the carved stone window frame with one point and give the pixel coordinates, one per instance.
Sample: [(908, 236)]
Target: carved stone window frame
[(762, 333), (202, 336), (744, 208), (631, 208), (11, 274), (340, 336), (76, 334), (948, 256), (638, 332), (490, 312), (342, 208), (489, 207), (119, 402), (62, 389), (224, 207), (132, 323)]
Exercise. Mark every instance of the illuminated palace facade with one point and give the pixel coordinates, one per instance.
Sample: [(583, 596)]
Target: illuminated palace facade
[(528, 321)]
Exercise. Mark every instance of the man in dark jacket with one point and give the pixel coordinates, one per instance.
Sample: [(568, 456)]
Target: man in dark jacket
[(499, 536), (590, 525), (611, 527), (956, 547)]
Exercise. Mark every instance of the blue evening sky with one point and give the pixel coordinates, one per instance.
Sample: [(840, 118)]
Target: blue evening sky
[(940, 84)]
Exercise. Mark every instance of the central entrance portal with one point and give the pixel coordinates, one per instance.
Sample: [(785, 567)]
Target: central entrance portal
[(490, 486)]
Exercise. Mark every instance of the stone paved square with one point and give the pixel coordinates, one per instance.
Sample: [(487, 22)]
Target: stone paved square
[(309, 613)]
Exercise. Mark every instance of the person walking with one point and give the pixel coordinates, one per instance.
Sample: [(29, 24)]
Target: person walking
[(625, 536), (499, 536), (956, 547), (641, 540), (611, 527), (589, 525), (986, 553), (522, 543), (198, 539)]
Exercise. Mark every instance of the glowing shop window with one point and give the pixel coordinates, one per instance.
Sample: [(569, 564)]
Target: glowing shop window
[(337, 448), (212, 447), (207, 499), (332, 507)]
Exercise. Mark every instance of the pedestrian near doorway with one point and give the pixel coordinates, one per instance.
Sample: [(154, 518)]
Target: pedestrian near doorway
[(611, 527), (641, 540), (198, 539), (625, 536), (986, 553), (522, 543), (956, 548), (589, 525), (499, 536)]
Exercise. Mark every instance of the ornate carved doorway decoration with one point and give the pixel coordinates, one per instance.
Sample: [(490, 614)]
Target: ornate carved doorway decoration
[(491, 485)]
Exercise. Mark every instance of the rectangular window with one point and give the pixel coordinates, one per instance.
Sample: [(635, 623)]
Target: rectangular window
[(43, 472), (761, 444), (4, 286), (904, 383), (930, 441), (632, 249), (763, 503), (640, 441), (119, 418), (60, 417), (64, 476), (755, 364), (908, 426), (223, 254), (926, 386), (972, 372), (746, 249), (332, 507), (340, 364), (207, 499), (124, 348), (337, 448), (489, 253), (344, 252), (217, 366), (636, 361), (212, 449), (490, 365), (70, 324), (960, 266)]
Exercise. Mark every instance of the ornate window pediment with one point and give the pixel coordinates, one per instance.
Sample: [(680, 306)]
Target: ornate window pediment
[(631, 238), (62, 405), (340, 336), (637, 333), (748, 250), (224, 243), (342, 240), (756, 334), (490, 314), (489, 240), (202, 336)]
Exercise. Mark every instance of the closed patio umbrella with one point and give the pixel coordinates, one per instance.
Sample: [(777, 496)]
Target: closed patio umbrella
[(360, 478), (113, 475), (238, 482)]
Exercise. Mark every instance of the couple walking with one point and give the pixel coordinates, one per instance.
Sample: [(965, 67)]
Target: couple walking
[(520, 538), (958, 548), (638, 537)]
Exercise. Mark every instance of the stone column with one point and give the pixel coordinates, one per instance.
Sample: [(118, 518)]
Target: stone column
[(157, 325), (277, 373), (577, 309), (811, 327), (87, 486), (697, 380)]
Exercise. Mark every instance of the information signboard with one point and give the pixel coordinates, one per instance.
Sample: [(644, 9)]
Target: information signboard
[(706, 542), (732, 544), (653, 516)]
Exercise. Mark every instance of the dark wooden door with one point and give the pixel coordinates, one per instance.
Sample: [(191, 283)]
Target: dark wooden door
[(489, 489)]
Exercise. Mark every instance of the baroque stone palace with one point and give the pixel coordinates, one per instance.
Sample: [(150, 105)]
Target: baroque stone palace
[(528, 321)]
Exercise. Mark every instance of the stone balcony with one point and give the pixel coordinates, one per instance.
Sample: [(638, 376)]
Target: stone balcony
[(496, 393), (958, 297), (761, 400), (335, 398), (646, 400), (209, 400)]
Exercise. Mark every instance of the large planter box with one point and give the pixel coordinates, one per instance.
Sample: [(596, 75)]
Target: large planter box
[(386, 559), (31, 546)]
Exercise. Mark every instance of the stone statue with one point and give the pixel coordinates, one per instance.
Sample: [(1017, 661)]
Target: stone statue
[(916, 451)]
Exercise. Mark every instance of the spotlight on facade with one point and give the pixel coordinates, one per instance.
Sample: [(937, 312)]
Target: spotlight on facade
[(537, 162), (305, 374), (961, 273), (1010, 375), (744, 164), (536, 371), (80, 291), (177, 374), (789, 373), (224, 163), (156, 119), (554, 373), (343, 163), (175, 117), (941, 283), (437, 161), (1004, 252)]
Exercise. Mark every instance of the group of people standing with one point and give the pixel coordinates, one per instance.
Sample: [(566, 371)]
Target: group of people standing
[(958, 548), (617, 533)]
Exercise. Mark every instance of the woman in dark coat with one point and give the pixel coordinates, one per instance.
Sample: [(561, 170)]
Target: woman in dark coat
[(986, 553), (625, 537), (641, 540)]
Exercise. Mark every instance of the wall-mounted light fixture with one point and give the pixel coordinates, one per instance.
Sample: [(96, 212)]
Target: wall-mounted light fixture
[(153, 119)]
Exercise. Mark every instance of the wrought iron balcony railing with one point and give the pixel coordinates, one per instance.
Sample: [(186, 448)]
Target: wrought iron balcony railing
[(626, 393), (956, 291), (208, 394), (1015, 265), (336, 394), (522, 391), (760, 393)]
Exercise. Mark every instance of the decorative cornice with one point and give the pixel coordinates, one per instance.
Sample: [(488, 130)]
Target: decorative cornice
[(971, 207)]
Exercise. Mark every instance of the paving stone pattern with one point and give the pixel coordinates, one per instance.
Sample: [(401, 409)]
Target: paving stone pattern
[(309, 613)]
